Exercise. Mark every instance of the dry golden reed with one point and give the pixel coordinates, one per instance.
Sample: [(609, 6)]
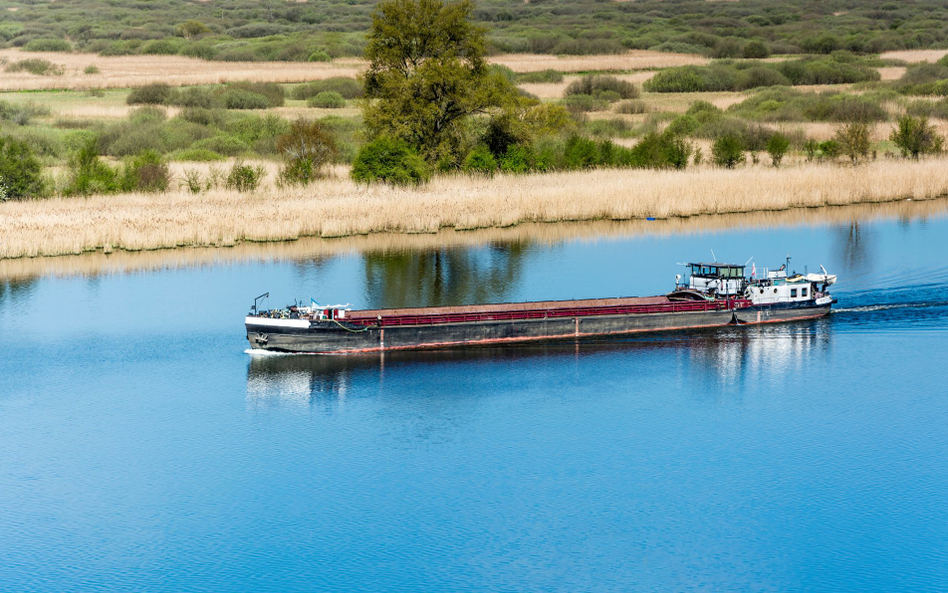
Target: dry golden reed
[(338, 207), (95, 263)]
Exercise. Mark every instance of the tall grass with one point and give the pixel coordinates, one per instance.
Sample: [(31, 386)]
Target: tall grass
[(339, 207)]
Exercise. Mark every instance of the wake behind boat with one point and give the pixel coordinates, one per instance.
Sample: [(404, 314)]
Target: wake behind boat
[(714, 295)]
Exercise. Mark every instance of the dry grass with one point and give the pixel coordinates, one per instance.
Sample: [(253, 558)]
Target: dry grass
[(631, 60), (312, 247), (131, 71), (915, 55), (891, 72), (880, 132), (338, 207), (680, 102)]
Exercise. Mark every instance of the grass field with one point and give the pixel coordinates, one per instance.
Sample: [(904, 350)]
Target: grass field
[(338, 207)]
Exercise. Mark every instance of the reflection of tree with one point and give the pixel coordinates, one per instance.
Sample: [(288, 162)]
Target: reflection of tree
[(11, 288), (854, 246), (445, 276)]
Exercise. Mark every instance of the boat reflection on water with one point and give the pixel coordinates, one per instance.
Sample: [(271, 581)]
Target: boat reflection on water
[(729, 357)]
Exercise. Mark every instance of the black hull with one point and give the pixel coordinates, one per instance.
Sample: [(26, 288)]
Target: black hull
[(327, 337)]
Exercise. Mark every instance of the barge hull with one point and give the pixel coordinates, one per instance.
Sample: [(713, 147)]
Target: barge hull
[(779, 313), (328, 337)]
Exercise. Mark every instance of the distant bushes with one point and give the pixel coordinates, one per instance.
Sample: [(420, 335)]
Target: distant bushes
[(348, 88), (48, 45), (609, 86), (327, 100), (36, 66), (234, 95), (925, 79), (785, 104), (738, 76), (551, 76)]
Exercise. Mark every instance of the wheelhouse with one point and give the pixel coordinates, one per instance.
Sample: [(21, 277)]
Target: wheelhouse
[(718, 278)]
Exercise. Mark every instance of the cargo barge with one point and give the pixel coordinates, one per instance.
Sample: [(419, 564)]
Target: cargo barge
[(715, 295)]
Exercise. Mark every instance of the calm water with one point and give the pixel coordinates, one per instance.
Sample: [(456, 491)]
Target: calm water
[(141, 449)]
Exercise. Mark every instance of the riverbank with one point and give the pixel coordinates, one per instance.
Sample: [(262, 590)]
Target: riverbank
[(339, 208)]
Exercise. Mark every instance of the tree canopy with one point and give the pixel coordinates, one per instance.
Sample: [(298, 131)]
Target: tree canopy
[(427, 76)]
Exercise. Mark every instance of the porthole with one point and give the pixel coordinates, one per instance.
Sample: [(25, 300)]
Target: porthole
[(775, 291)]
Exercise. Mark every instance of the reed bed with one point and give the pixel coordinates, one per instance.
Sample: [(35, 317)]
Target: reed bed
[(99, 263), (631, 60), (338, 207)]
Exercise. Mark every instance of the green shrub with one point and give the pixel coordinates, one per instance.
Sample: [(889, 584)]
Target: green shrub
[(20, 171), (91, 69), (204, 117), (349, 88), (241, 99), (161, 47), (274, 93), (683, 125), (244, 177), (151, 94), (48, 45), (36, 66), (389, 161), (581, 153), (915, 136), (319, 56), (259, 133), (728, 151), (777, 147), (88, 175), (306, 149), (327, 100), (593, 84), (222, 144), (583, 103), (736, 76), (518, 159), (147, 115), (480, 160), (756, 50), (199, 97), (830, 149), (548, 75), (200, 155), (145, 172)]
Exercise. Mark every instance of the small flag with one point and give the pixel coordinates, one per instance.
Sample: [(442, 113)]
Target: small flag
[(754, 270)]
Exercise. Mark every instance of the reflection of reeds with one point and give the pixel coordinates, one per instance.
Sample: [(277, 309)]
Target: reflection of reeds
[(308, 248)]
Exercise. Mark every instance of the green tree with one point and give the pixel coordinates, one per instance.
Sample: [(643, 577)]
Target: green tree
[(20, 171), (481, 160), (854, 139), (915, 136), (192, 28), (728, 151), (88, 175), (777, 147), (427, 76)]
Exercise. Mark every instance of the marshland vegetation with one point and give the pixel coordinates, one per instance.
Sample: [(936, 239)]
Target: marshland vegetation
[(287, 134)]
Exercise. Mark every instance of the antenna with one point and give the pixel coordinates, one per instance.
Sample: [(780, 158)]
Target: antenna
[(713, 256), (748, 260)]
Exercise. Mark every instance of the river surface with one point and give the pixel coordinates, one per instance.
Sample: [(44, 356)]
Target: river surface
[(142, 449)]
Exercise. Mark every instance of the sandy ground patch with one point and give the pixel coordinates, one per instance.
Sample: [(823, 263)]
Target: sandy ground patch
[(915, 55), (632, 60), (891, 72)]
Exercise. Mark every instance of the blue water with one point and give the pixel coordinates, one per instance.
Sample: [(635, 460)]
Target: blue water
[(141, 449)]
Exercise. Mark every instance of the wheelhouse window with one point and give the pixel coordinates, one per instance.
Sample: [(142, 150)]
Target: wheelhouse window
[(803, 291), (793, 293)]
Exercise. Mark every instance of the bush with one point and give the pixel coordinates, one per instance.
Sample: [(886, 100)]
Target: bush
[(36, 66), (146, 172), (389, 161), (327, 100), (20, 171), (201, 155), (854, 139), (915, 136), (222, 144), (631, 107), (88, 175), (830, 149), (319, 56), (593, 84), (274, 93), (349, 88), (241, 99), (756, 50), (307, 148), (518, 159), (91, 69), (548, 75), (198, 97), (161, 47), (683, 125), (581, 153), (48, 45), (151, 94), (480, 160), (777, 147), (583, 103), (244, 177), (736, 76), (728, 151)]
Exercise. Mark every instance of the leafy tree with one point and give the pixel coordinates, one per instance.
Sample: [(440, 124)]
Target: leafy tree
[(728, 151), (915, 136), (20, 171), (192, 28), (389, 161), (777, 147), (427, 75), (306, 149), (88, 175), (480, 160), (854, 139)]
